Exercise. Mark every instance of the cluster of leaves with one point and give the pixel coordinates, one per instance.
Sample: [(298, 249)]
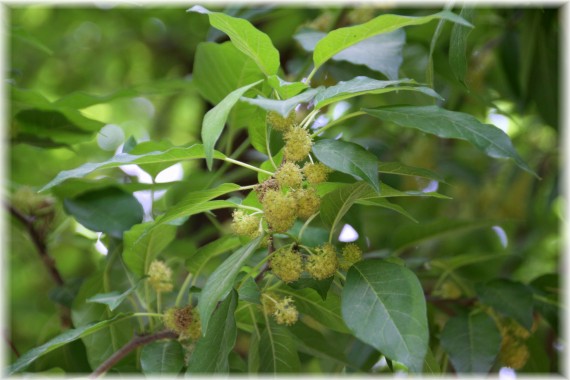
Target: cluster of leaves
[(283, 299)]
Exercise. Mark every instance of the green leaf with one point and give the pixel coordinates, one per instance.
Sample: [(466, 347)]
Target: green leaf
[(384, 203), (400, 169), (546, 290), (431, 365), (166, 357), (364, 86), (198, 259), (336, 204), (249, 291), (221, 282), (383, 304), (349, 158), (342, 38), (448, 124), (215, 119), (306, 281), (316, 344), (458, 46), (510, 298), (113, 299), (382, 53), (277, 350), (141, 246), (212, 350), (283, 107), (221, 68), (286, 89), (109, 210), (472, 342), (309, 302), (251, 41), (148, 147), (172, 155), (69, 336)]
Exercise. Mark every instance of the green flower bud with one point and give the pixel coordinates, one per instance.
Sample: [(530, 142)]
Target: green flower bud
[(308, 202), (160, 276), (289, 175), (351, 254), (183, 321), (282, 309), (298, 144), (280, 123), (244, 224)]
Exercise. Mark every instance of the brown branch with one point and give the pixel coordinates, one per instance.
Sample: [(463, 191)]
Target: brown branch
[(39, 243), (128, 348), (11, 344)]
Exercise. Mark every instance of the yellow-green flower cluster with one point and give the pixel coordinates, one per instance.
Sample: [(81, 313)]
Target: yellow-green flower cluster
[(323, 263), (160, 276), (280, 123), (308, 202), (289, 175), (244, 224), (282, 309), (280, 210), (287, 264), (298, 144), (514, 351), (351, 254), (184, 321), (316, 173)]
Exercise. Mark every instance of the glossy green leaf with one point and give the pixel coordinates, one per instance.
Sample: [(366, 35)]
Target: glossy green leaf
[(277, 350), (336, 204), (163, 357), (212, 350), (448, 124), (309, 302), (221, 281), (60, 340), (142, 247), (221, 68), (306, 281), (315, 343), (113, 299), (383, 304), (283, 107), (342, 38), (398, 168), (109, 210), (251, 41), (172, 155), (384, 203), (198, 259), (349, 158), (250, 292), (458, 46), (364, 86), (215, 119), (382, 53), (286, 89), (509, 298), (472, 342)]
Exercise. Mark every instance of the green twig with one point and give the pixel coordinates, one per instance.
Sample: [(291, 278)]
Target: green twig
[(337, 121)]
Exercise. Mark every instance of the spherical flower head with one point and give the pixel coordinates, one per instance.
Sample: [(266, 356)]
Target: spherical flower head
[(184, 321), (323, 263), (510, 327), (285, 312), (351, 254), (514, 353), (280, 210), (289, 175), (280, 123), (308, 202), (244, 224), (268, 302), (287, 265), (449, 290), (160, 276), (316, 173), (298, 144)]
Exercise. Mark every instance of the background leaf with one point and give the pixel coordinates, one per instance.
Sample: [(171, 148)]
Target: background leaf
[(383, 305), (164, 357), (458, 45), (283, 107), (277, 350), (472, 342), (448, 124), (212, 350), (349, 158), (251, 41)]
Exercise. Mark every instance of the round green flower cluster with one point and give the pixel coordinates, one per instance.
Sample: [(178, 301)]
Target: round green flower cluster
[(160, 276), (280, 123), (287, 264), (514, 351), (316, 173), (184, 321), (323, 263), (280, 210), (281, 308), (298, 144), (244, 224), (308, 202), (289, 175), (351, 254)]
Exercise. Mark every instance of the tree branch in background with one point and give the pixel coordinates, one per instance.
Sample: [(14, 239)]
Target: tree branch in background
[(128, 348)]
